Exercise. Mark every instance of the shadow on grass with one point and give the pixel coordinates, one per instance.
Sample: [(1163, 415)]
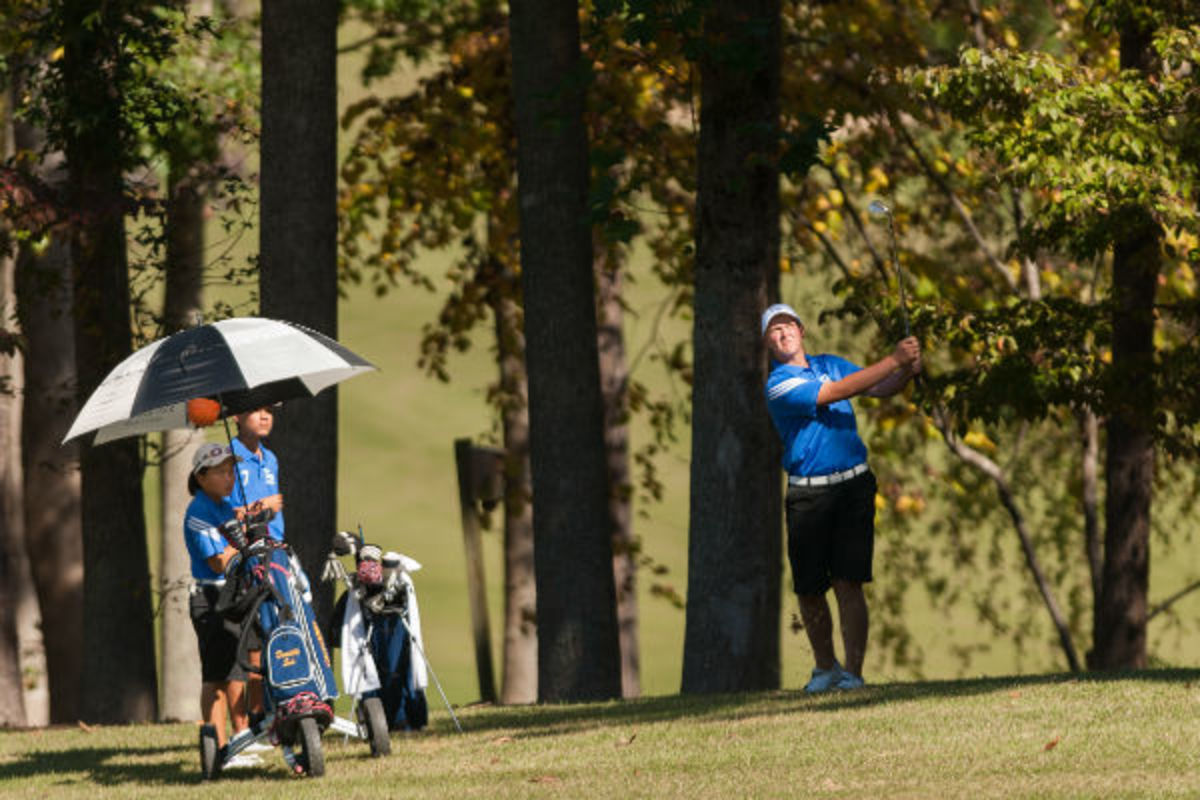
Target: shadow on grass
[(554, 720), (113, 766)]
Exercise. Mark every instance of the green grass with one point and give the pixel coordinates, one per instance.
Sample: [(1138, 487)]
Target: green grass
[(1040, 737)]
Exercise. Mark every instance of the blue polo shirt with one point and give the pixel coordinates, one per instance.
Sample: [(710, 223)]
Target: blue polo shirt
[(202, 534), (817, 440), (259, 476)]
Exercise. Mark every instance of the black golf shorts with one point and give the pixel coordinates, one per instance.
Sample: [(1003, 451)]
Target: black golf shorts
[(831, 533), (218, 645)]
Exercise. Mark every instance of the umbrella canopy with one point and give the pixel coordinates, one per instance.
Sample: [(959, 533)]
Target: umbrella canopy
[(245, 363)]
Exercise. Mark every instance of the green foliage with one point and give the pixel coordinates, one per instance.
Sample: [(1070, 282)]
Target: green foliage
[(1086, 143), (183, 84)]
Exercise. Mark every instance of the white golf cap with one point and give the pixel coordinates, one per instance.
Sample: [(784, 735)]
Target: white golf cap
[(777, 310), (210, 455)]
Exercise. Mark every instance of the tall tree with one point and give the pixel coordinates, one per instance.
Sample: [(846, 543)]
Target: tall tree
[(1119, 636), (118, 634), (1102, 177), (578, 649), (298, 252), (52, 523), (182, 301), (731, 640), (614, 384)]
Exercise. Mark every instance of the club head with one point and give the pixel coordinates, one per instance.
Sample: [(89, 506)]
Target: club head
[(878, 208)]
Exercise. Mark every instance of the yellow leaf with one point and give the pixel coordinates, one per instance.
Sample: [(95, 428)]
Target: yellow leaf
[(980, 441), (57, 54)]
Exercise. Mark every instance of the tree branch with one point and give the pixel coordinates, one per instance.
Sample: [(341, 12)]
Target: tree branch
[(1170, 601), (990, 468), (962, 211)]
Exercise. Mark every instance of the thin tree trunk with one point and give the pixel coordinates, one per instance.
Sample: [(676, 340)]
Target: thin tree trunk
[(731, 640), (578, 646), (996, 474), (298, 254), (12, 545), (614, 383), (12, 699), (519, 682), (118, 636), (185, 273), (1089, 430)]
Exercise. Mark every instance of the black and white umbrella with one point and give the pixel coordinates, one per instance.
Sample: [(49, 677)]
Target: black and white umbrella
[(244, 363)]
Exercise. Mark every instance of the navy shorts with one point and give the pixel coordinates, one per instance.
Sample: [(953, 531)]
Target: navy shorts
[(218, 644), (831, 533)]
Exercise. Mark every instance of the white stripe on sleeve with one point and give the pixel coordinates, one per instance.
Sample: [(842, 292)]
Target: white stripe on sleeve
[(783, 387)]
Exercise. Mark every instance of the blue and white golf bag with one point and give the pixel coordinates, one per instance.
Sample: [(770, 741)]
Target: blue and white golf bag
[(271, 595), (377, 624)]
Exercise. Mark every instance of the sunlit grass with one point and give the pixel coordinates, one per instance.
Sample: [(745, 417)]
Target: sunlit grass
[(1044, 737)]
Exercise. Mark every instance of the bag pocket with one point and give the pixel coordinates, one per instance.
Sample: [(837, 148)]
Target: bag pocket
[(287, 658)]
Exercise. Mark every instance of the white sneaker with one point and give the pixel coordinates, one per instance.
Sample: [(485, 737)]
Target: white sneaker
[(258, 747), (242, 761)]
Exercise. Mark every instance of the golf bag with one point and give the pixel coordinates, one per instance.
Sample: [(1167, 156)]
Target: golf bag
[(267, 594), (377, 624)]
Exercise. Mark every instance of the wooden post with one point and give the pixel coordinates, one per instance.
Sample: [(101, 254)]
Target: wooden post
[(478, 480)]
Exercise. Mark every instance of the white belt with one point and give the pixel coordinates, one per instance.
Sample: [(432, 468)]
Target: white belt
[(198, 582), (828, 480)]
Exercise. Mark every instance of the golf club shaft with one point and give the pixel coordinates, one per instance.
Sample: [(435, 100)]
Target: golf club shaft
[(432, 674), (899, 274)]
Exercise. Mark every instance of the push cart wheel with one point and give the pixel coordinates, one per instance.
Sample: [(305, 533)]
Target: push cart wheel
[(312, 758), (375, 721), (209, 752)]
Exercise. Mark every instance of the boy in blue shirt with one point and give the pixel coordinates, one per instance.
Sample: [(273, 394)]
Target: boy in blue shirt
[(831, 491), (223, 679), (259, 468), (257, 488)]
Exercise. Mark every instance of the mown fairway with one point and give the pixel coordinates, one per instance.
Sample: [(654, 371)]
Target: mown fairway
[(1044, 737)]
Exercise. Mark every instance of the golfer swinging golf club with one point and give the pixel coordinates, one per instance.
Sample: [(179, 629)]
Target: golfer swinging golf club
[(831, 491)]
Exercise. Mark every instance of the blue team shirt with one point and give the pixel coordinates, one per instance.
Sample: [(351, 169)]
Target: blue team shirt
[(259, 476), (817, 440), (202, 534)]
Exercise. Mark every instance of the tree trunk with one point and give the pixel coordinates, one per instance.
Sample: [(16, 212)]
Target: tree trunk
[(519, 683), (12, 545), (731, 640), (1120, 618), (1089, 436), (53, 527), (578, 648), (298, 258), (118, 634), (184, 278), (614, 385)]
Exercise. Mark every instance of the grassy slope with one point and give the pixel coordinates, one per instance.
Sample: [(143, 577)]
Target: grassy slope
[(1044, 737)]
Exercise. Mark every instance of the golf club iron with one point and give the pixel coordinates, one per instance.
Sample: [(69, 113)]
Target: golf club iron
[(878, 208)]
